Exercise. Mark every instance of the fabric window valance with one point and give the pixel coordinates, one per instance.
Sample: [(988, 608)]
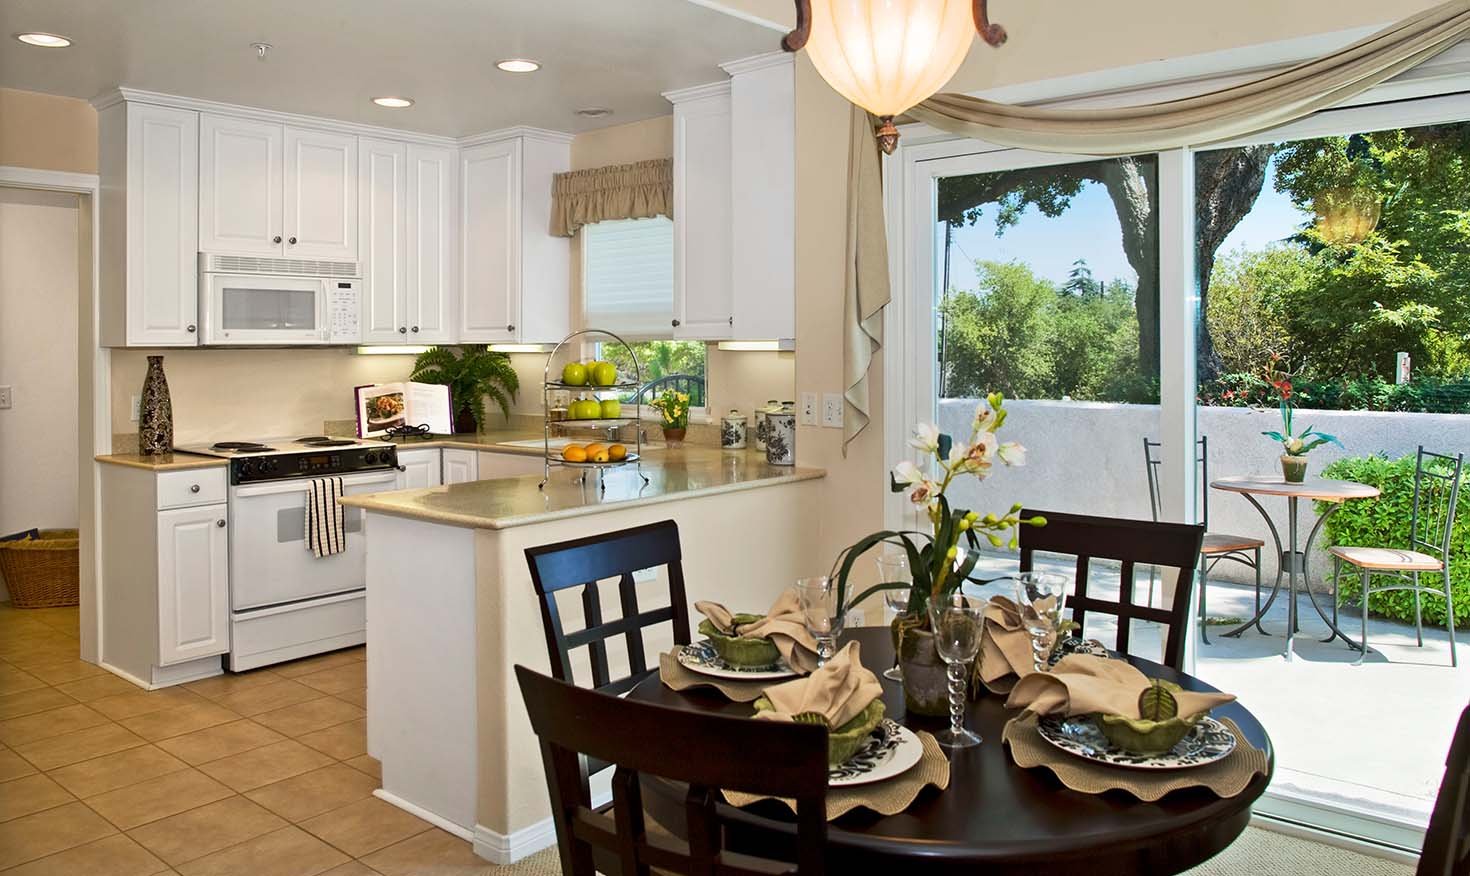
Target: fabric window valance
[(625, 191)]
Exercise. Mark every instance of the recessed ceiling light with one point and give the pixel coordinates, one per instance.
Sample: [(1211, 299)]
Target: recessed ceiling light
[(594, 112), (394, 102), (518, 65), (44, 40)]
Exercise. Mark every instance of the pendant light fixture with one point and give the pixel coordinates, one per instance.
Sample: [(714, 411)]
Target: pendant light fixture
[(887, 55)]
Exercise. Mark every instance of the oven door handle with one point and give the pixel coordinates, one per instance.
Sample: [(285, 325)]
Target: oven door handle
[(301, 485)]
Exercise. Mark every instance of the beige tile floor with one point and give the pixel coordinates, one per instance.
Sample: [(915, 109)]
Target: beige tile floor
[(263, 773)]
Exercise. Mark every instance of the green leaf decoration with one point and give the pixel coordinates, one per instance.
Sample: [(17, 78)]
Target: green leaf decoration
[(1157, 703), (809, 718)]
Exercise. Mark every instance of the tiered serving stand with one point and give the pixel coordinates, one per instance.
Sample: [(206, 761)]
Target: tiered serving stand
[(548, 385)]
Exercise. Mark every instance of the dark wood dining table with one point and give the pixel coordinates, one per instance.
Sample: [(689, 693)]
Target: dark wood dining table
[(995, 817)]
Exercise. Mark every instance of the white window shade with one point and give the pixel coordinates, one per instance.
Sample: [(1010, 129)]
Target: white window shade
[(628, 276)]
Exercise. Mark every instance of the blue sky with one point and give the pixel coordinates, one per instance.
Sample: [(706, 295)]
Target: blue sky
[(1089, 230)]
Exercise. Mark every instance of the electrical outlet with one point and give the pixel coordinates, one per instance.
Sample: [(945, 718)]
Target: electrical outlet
[(832, 410), (809, 409), (136, 402), (4, 398)]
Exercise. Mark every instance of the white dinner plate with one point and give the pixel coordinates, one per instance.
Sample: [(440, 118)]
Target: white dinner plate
[(891, 750), (701, 657), (1206, 742)]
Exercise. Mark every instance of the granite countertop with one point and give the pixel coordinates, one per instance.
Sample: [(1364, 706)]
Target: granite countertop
[(162, 461), (502, 503)]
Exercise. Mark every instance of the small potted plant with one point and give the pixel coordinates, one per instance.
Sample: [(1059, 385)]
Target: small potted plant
[(673, 407), (936, 560), (471, 372), (1295, 445)]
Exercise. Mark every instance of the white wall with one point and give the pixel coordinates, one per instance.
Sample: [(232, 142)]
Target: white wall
[(38, 359), (1087, 458)]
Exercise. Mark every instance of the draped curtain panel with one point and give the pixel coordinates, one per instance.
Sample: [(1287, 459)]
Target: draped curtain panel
[(1223, 114), (625, 191)]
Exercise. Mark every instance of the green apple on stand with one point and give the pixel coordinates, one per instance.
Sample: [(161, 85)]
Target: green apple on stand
[(603, 373), (574, 374), (612, 409)]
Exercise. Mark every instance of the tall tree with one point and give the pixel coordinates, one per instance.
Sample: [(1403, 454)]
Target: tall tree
[(1227, 183)]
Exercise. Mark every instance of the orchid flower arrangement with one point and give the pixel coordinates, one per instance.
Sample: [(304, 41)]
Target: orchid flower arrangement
[(1295, 444), (935, 557)]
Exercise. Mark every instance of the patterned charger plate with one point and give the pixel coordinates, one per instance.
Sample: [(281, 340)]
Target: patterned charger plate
[(1207, 742), (892, 749), (701, 657)]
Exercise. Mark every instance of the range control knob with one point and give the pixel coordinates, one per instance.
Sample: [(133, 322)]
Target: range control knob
[(370, 458), (246, 466)]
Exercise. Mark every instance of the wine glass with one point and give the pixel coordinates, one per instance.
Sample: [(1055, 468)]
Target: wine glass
[(956, 620), (822, 614), (1041, 596), (893, 568)]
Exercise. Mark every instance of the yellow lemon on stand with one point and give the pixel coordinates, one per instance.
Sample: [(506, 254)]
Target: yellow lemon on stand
[(617, 452), (574, 453)]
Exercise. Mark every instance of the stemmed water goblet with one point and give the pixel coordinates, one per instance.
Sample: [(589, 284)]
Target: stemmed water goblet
[(956, 621), (893, 568), (1040, 597), (821, 613)]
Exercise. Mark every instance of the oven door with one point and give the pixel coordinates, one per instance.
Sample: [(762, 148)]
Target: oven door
[(269, 562), (242, 309)]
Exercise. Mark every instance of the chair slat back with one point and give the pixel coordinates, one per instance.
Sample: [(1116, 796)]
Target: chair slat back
[(1153, 460), (588, 563), (1447, 841), (1130, 542), (707, 752), (1436, 500)]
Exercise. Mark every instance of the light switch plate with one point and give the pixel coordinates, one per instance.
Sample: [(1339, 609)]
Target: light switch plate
[(134, 403), (4, 398), (809, 409), (832, 410)]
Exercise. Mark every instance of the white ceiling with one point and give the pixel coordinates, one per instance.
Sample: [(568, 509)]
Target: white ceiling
[(330, 57)]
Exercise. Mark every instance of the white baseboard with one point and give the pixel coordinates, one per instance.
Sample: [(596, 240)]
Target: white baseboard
[(502, 849), (168, 676), (463, 833)]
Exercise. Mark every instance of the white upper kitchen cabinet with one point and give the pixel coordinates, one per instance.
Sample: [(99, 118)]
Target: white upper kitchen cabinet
[(149, 225), (433, 244), (515, 284), (382, 230), (269, 189), (703, 255)]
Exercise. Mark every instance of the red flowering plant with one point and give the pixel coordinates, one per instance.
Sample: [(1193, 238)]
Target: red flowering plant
[(1294, 443)]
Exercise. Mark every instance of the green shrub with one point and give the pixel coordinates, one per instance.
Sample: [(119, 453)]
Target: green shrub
[(1422, 394), (1384, 522)]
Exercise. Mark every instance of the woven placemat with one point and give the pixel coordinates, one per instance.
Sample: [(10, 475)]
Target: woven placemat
[(673, 674), (1226, 777), (888, 797)]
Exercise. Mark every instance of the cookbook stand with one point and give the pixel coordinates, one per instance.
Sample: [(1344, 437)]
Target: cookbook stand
[(548, 385)]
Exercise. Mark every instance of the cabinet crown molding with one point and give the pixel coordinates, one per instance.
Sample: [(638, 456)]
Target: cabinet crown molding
[(698, 92), (522, 131), (756, 62)]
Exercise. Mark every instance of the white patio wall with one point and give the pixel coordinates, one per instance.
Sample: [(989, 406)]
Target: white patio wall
[(1087, 458)]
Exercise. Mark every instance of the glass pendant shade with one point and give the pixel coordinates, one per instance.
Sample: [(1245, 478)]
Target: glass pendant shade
[(887, 55)]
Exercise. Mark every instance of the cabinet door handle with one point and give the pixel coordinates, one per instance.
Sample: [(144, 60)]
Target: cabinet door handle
[(191, 328), (415, 329), (276, 239), (291, 240), (402, 330), (510, 328), (732, 320), (676, 323), (193, 488), (220, 523)]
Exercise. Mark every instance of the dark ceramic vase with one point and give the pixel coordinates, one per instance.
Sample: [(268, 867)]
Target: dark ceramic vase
[(464, 422), (155, 412)]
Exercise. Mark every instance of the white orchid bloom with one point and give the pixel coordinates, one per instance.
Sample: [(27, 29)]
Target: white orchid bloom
[(1012, 453), (926, 438), (908, 473), (984, 418), (925, 493), (1294, 445)]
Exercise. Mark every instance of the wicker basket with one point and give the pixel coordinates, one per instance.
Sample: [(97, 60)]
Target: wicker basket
[(41, 572)]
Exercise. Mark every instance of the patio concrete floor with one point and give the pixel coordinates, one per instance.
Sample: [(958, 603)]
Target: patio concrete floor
[(1370, 737)]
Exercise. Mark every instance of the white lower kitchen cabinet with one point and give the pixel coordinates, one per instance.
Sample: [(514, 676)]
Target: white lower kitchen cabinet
[(508, 465), (421, 468), (460, 466), (165, 603)]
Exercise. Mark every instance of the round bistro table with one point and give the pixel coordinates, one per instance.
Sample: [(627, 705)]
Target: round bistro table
[(1293, 561), (995, 817)]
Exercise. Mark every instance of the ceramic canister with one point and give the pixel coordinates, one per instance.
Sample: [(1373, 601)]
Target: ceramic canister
[(781, 438), (760, 422), (732, 431)]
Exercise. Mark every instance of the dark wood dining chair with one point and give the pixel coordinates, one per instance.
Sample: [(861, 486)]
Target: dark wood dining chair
[(587, 563), (1131, 543), (706, 752), (1447, 841)]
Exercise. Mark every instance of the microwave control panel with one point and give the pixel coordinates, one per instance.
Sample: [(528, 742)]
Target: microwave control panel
[(343, 308)]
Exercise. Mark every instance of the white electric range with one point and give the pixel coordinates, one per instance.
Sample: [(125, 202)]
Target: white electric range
[(286, 602)]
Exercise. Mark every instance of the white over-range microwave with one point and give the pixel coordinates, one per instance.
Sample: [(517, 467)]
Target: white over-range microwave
[(246, 300)]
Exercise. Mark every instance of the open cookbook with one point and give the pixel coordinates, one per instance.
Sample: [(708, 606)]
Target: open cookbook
[(384, 406)]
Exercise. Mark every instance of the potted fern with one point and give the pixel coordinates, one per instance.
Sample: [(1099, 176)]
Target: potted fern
[(472, 372)]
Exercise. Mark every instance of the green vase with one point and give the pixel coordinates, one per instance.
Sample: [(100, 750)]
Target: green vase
[(1294, 468), (925, 676)]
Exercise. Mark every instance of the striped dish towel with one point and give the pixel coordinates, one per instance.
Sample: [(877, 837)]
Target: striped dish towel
[(326, 533)]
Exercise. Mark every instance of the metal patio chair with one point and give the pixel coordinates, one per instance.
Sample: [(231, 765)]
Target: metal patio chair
[(1431, 525), (1218, 546)]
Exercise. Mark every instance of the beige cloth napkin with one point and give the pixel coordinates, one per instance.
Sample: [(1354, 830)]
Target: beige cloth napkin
[(673, 674), (1084, 684), (1005, 646), (838, 691), (783, 624), (1226, 777), (888, 797)]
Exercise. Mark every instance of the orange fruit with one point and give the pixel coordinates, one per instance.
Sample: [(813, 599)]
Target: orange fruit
[(617, 452), (600, 455), (574, 453), (594, 448)]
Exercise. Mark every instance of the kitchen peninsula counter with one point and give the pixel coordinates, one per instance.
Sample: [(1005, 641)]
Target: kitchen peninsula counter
[(451, 610)]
